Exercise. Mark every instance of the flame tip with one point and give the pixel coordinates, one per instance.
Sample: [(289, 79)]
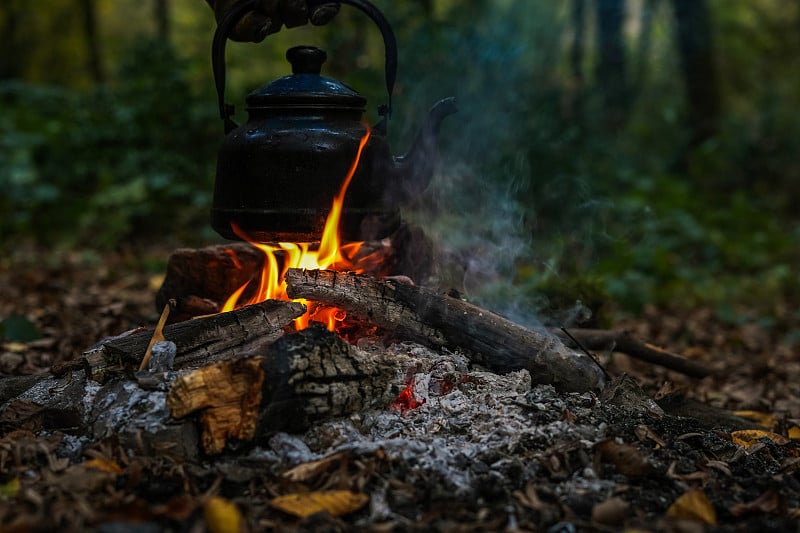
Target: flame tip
[(329, 254)]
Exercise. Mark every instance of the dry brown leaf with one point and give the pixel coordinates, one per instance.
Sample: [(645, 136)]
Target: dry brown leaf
[(626, 458), (306, 471), (9, 490), (769, 502), (749, 437), (104, 465), (693, 505), (766, 420), (222, 516), (334, 502), (794, 433), (697, 475), (611, 512), (644, 432)]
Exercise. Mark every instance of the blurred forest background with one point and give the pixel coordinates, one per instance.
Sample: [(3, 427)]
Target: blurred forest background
[(635, 151)]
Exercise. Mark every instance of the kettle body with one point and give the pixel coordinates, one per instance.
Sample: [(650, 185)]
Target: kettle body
[(277, 174)]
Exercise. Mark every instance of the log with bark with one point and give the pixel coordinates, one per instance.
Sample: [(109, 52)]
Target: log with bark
[(301, 378), (199, 280), (439, 321), (199, 341)]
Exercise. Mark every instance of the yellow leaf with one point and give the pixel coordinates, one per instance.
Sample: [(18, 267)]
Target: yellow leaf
[(222, 516), (794, 433), (748, 437), (334, 502), (693, 505), (15, 346), (762, 419), (104, 465), (9, 490)]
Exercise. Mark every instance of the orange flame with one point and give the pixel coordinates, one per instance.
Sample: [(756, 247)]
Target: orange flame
[(329, 254)]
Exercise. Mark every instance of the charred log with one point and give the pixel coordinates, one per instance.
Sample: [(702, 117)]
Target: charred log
[(200, 280), (301, 378), (200, 341), (421, 315)]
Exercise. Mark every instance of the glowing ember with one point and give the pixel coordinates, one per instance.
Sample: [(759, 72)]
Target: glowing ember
[(330, 254), (407, 400)]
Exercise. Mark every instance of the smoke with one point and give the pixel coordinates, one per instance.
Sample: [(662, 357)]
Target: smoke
[(480, 209)]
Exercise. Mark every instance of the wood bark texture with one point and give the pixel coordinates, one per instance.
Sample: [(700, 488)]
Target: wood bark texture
[(421, 315), (303, 377), (199, 341)]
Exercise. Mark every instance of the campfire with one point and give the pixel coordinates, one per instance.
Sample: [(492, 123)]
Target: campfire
[(329, 253), (311, 378)]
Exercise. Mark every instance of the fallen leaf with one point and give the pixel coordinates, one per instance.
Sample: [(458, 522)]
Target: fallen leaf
[(104, 465), (697, 475), (222, 516), (611, 512), (306, 471), (644, 432), (693, 505), (769, 502), (626, 458), (794, 433), (334, 502), (721, 466), (766, 420), (749, 437), (9, 489)]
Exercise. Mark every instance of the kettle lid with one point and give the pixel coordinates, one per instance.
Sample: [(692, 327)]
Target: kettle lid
[(305, 87)]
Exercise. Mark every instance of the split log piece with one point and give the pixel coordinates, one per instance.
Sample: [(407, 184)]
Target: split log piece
[(199, 279), (421, 315), (199, 341), (301, 378), (625, 342)]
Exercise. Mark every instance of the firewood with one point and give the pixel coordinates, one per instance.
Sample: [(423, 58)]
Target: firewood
[(625, 342), (421, 315), (199, 341), (303, 377), (197, 279)]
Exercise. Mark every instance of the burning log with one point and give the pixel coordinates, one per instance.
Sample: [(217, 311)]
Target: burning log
[(421, 315), (301, 378), (200, 341), (200, 280)]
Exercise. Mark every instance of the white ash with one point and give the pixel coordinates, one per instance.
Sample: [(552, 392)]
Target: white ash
[(485, 426), (124, 406)]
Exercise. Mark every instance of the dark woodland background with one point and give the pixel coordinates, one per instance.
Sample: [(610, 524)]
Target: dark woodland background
[(639, 151)]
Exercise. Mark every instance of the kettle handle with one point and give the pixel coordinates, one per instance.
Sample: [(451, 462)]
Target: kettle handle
[(233, 16)]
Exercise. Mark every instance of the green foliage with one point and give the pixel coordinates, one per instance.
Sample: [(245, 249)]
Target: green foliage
[(130, 160), (541, 199), (17, 328)]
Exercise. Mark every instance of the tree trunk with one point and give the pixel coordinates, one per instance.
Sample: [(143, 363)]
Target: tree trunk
[(90, 31), (695, 46), (610, 71), (576, 50), (11, 59), (161, 16)]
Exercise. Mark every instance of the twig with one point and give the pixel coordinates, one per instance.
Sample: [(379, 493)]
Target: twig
[(623, 341), (158, 335)]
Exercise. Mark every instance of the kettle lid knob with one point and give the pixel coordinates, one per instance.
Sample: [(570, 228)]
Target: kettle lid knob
[(306, 59)]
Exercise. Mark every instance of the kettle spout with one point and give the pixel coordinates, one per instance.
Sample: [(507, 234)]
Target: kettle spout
[(414, 170)]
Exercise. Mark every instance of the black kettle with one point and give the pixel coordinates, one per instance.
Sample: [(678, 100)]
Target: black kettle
[(277, 174)]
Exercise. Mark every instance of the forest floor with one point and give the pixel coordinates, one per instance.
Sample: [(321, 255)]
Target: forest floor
[(683, 471)]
